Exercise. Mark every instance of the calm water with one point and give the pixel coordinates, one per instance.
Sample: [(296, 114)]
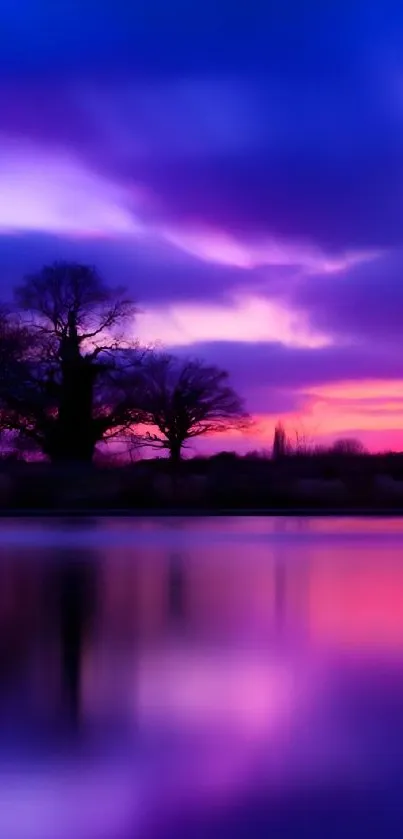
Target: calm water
[(208, 678)]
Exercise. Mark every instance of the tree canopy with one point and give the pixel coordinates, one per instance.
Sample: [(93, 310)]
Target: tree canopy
[(187, 398), (73, 385), (72, 374)]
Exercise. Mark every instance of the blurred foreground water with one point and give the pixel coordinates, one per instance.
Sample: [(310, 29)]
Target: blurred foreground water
[(203, 677)]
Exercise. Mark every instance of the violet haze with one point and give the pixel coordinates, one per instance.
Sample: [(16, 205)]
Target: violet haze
[(240, 168)]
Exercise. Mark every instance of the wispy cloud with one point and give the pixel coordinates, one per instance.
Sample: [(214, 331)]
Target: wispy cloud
[(57, 194), (245, 319)]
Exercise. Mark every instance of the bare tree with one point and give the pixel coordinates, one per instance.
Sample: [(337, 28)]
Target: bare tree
[(185, 399), (68, 295), (348, 446), (76, 386), (280, 442), (303, 440), (15, 340)]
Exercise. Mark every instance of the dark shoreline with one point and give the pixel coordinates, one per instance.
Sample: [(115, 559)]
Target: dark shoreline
[(203, 513)]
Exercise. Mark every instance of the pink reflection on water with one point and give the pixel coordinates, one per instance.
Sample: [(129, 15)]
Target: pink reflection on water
[(223, 656), (232, 692)]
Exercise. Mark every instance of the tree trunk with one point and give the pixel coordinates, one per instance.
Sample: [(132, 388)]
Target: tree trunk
[(74, 438), (175, 448)]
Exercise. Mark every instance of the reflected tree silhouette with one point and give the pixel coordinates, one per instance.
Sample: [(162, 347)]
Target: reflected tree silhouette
[(176, 588), (18, 618), (280, 578), (74, 595), (280, 593), (291, 580)]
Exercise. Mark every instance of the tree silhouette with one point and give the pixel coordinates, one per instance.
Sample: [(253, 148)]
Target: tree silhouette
[(185, 399), (348, 446), (76, 384), (68, 292), (16, 344), (74, 579), (280, 442)]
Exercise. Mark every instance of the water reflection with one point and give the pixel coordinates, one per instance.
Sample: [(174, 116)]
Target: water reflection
[(176, 587), (72, 597), (199, 672)]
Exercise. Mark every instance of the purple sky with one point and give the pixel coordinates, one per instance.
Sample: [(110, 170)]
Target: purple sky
[(240, 167)]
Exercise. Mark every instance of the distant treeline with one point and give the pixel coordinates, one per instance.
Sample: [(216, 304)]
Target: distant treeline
[(225, 482), (77, 388)]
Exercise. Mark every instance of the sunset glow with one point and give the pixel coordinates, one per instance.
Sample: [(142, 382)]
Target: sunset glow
[(253, 211)]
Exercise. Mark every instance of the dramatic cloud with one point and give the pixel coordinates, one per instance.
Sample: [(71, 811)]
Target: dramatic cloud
[(364, 303), (244, 319), (239, 168), (157, 272), (273, 364), (327, 392), (56, 195)]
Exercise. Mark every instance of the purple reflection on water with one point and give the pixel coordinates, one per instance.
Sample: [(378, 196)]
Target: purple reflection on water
[(201, 677)]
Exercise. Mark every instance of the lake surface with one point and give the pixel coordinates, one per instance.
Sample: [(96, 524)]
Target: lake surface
[(204, 678)]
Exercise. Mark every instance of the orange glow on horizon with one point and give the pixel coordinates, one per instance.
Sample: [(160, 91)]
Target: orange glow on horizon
[(356, 390)]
